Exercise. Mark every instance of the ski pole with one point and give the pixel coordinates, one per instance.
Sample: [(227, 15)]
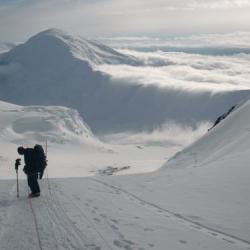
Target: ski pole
[(17, 184), (47, 171), (17, 164)]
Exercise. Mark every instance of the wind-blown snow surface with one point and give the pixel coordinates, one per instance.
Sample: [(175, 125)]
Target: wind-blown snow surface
[(199, 200), (114, 91)]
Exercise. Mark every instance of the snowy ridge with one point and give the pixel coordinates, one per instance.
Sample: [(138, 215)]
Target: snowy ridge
[(198, 200), (84, 49), (73, 150), (228, 138), (37, 123), (53, 68), (62, 128), (183, 206)]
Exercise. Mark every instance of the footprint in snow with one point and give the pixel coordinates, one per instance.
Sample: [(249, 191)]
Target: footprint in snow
[(97, 220), (118, 243), (5, 203), (229, 241), (183, 241), (148, 230), (78, 198), (214, 234), (122, 245), (93, 212), (115, 221), (114, 227), (129, 242)]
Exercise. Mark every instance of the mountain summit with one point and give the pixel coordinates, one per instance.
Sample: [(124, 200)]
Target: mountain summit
[(54, 68), (56, 42)]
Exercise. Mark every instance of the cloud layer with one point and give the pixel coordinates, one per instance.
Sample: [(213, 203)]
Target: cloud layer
[(168, 135), (189, 72)]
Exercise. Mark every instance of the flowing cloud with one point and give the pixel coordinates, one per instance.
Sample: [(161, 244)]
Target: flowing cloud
[(188, 72), (168, 135)]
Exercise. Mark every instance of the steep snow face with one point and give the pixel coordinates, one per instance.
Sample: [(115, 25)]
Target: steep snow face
[(211, 177), (228, 140), (217, 166), (53, 68), (206, 186)]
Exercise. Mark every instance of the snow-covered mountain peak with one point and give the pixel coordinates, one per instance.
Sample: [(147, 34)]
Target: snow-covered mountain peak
[(53, 41), (52, 32), (55, 68)]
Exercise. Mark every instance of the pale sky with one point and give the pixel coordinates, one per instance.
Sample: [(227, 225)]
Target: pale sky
[(20, 19)]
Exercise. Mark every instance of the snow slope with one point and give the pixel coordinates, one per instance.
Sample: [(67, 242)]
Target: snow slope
[(27, 126), (228, 139), (53, 68), (198, 200), (73, 150), (89, 214), (207, 184)]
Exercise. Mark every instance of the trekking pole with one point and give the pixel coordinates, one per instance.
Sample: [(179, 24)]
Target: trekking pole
[(17, 184), (47, 172), (17, 164)]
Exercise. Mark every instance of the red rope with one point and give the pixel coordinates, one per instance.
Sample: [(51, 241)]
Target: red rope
[(36, 225)]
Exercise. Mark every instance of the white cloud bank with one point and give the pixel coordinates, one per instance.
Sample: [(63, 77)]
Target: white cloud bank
[(189, 72), (167, 135)]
